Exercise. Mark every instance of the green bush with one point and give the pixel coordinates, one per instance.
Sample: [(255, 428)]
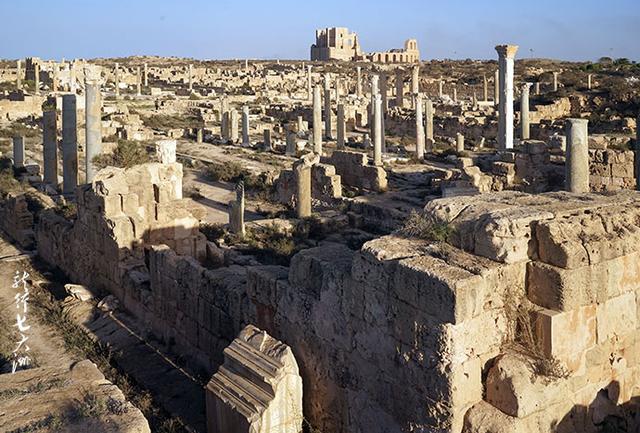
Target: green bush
[(126, 155)]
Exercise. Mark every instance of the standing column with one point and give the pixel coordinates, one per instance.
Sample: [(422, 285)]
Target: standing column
[(429, 119), (190, 78), (440, 89), (50, 146), (384, 92), (377, 122), (537, 87), (415, 80), (496, 87), (327, 108), (577, 163), (245, 125), (234, 125), (199, 135), (358, 81), (317, 120), (236, 211), (302, 175), (69, 144), (19, 75), (374, 91), (506, 55), (266, 139), (36, 69), (589, 81), (485, 88), (399, 88), (637, 153), (93, 129), (309, 91), (116, 78), (524, 112), (54, 78), (459, 142), (146, 75), (555, 81), (419, 127), (341, 127), (138, 82), (290, 143), (18, 152)]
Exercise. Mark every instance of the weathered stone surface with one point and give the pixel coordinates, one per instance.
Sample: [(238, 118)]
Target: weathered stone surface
[(257, 389)]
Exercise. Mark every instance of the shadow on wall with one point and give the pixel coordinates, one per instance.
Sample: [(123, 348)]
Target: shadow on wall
[(603, 415)]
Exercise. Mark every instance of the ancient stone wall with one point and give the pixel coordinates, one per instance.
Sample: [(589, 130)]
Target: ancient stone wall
[(16, 220), (355, 171), (611, 170)]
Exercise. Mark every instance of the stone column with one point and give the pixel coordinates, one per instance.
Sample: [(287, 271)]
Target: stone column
[(146, 75), (18, 152), (199, 135), (506, 55), (225, 126), (234, 125), (317, 121), (138, 82), (300, 124), (291, 144), (589, 81), (419, 127), (236, 211), (358, 81), (374, 91), (69, 144), (415, 80), (429, 112), (384, 92), (485, 88), (190, 78), (302, 175), (37, 78), (116, 78), (637, 153), (266, 139), (524, 111), (537, 88), (50, 146), (341, 127), (399, 88), (440, 89), (309, 84), (245, 125), (496, 87), (577, 162), (19, 75), (54, 78), (166, 152), (459, 142), (377, 123), (555, 81), (455, 94), (93, 126), (327, 114)]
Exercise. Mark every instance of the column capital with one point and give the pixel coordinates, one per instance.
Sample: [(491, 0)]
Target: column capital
[(508, 51)]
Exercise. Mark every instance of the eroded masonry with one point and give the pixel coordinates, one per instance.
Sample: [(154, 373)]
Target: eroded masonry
[(333, 247)]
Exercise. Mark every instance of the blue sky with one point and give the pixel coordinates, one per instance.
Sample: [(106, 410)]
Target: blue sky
[(225, 29)]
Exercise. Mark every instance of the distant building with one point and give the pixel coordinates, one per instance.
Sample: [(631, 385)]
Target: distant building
[(337, 43)]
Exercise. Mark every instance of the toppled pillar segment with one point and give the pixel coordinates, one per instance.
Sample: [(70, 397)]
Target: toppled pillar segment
[(257, 389)]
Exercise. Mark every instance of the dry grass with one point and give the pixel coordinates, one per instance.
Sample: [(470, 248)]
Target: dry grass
[(421, 226)]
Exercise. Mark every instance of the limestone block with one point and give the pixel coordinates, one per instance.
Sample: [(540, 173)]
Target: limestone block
[(617, 317), (166, 151), (257, 389), (567, 336)]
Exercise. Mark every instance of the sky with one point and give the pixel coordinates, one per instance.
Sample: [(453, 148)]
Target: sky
[(285, 29)]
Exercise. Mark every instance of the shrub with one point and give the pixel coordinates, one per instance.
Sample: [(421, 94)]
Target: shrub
[(126, 155), (419, 226), (213, 232)]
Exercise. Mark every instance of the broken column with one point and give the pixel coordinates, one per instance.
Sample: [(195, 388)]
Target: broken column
[(138, 82), (429, 112), (190, 78), (555, 81), (302, 173), (36, 68), (399, 88), (377, 128), (496, 87), (245, 125), (506, 54), (384, 94), (18, 151), (93, 126), (290, 143), (589, 81), (54, 78), (577, 161), (419, 127), (327, 108), (116, 79), (233, 127), (50, 146), (485, 88), (440, 89), (358, 81), (19, 75), (459, 142), (236, 211), (258, 388), (146, 75), (309, 84), (341, 127), (524, 111), (415, 80), (199, 135), (317, 121), (69, 144), (266, 139)]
